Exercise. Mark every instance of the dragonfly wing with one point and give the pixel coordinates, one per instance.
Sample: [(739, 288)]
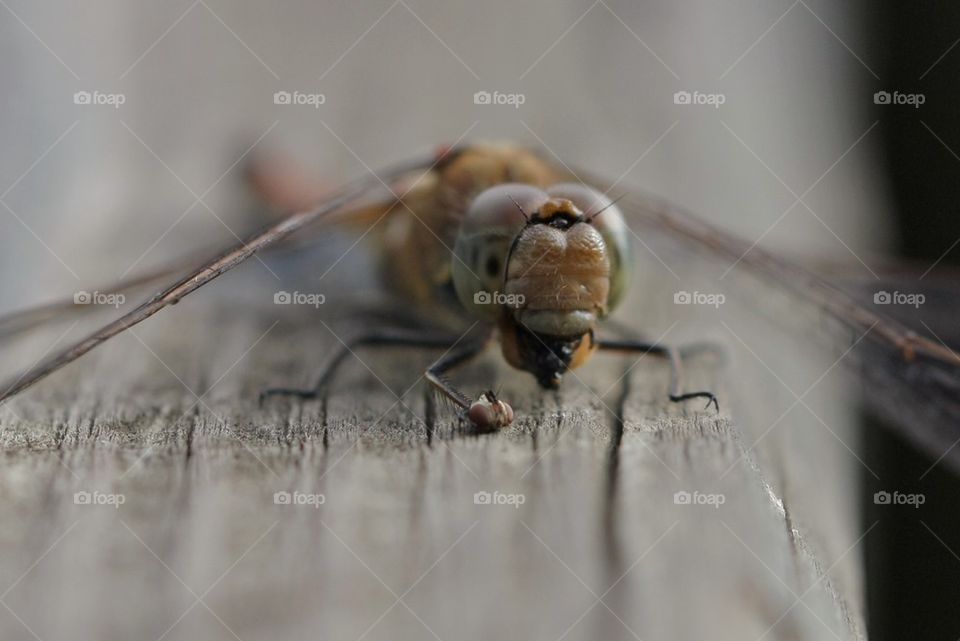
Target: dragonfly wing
[(207, 271), (26, 320), (922, 393), (909, 375)]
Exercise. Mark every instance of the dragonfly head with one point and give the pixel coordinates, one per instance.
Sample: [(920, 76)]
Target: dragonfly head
[(546, 266)]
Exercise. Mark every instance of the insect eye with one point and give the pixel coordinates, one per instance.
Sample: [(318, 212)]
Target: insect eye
[(490, 225)]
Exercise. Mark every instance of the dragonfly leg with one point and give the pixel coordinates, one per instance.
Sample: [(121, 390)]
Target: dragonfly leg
[(384, 337), (487, 412), (675, 357)]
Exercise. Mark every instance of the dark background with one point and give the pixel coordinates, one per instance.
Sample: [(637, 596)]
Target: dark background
[(913, 579)]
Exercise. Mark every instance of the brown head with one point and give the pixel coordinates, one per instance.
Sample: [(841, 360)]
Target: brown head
[(545, 266)]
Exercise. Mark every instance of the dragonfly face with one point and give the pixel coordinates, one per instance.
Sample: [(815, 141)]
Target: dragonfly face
[(545, 266)]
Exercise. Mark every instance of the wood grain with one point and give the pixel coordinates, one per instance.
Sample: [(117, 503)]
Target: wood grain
[(167, 418)]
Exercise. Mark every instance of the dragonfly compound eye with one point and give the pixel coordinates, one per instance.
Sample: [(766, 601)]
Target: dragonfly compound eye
[(492, 223)]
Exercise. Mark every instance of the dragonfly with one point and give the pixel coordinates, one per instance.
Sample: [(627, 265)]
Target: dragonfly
[(538, 255)]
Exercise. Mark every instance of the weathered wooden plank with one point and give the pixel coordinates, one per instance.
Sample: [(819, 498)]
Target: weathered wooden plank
[(598, 518)]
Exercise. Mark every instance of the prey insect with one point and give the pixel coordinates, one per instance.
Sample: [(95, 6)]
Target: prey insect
[(539, 256)]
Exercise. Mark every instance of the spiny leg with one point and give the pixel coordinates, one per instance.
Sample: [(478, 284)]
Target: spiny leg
[(487, 412), (383, 337), (675, 357)]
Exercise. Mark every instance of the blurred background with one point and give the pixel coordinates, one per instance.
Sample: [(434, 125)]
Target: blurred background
[(823, 131)]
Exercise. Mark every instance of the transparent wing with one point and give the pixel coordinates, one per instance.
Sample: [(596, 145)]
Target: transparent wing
[(69, 309), (189, 279), (910, 376)]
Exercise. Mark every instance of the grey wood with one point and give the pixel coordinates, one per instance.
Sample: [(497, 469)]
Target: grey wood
[(599, 547)]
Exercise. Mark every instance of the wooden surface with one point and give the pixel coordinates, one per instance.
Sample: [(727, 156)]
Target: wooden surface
[(167, 418)]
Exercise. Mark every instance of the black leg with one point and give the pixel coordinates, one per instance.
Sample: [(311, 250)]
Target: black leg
[(487, 412), (384, 337), (675, 356)]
